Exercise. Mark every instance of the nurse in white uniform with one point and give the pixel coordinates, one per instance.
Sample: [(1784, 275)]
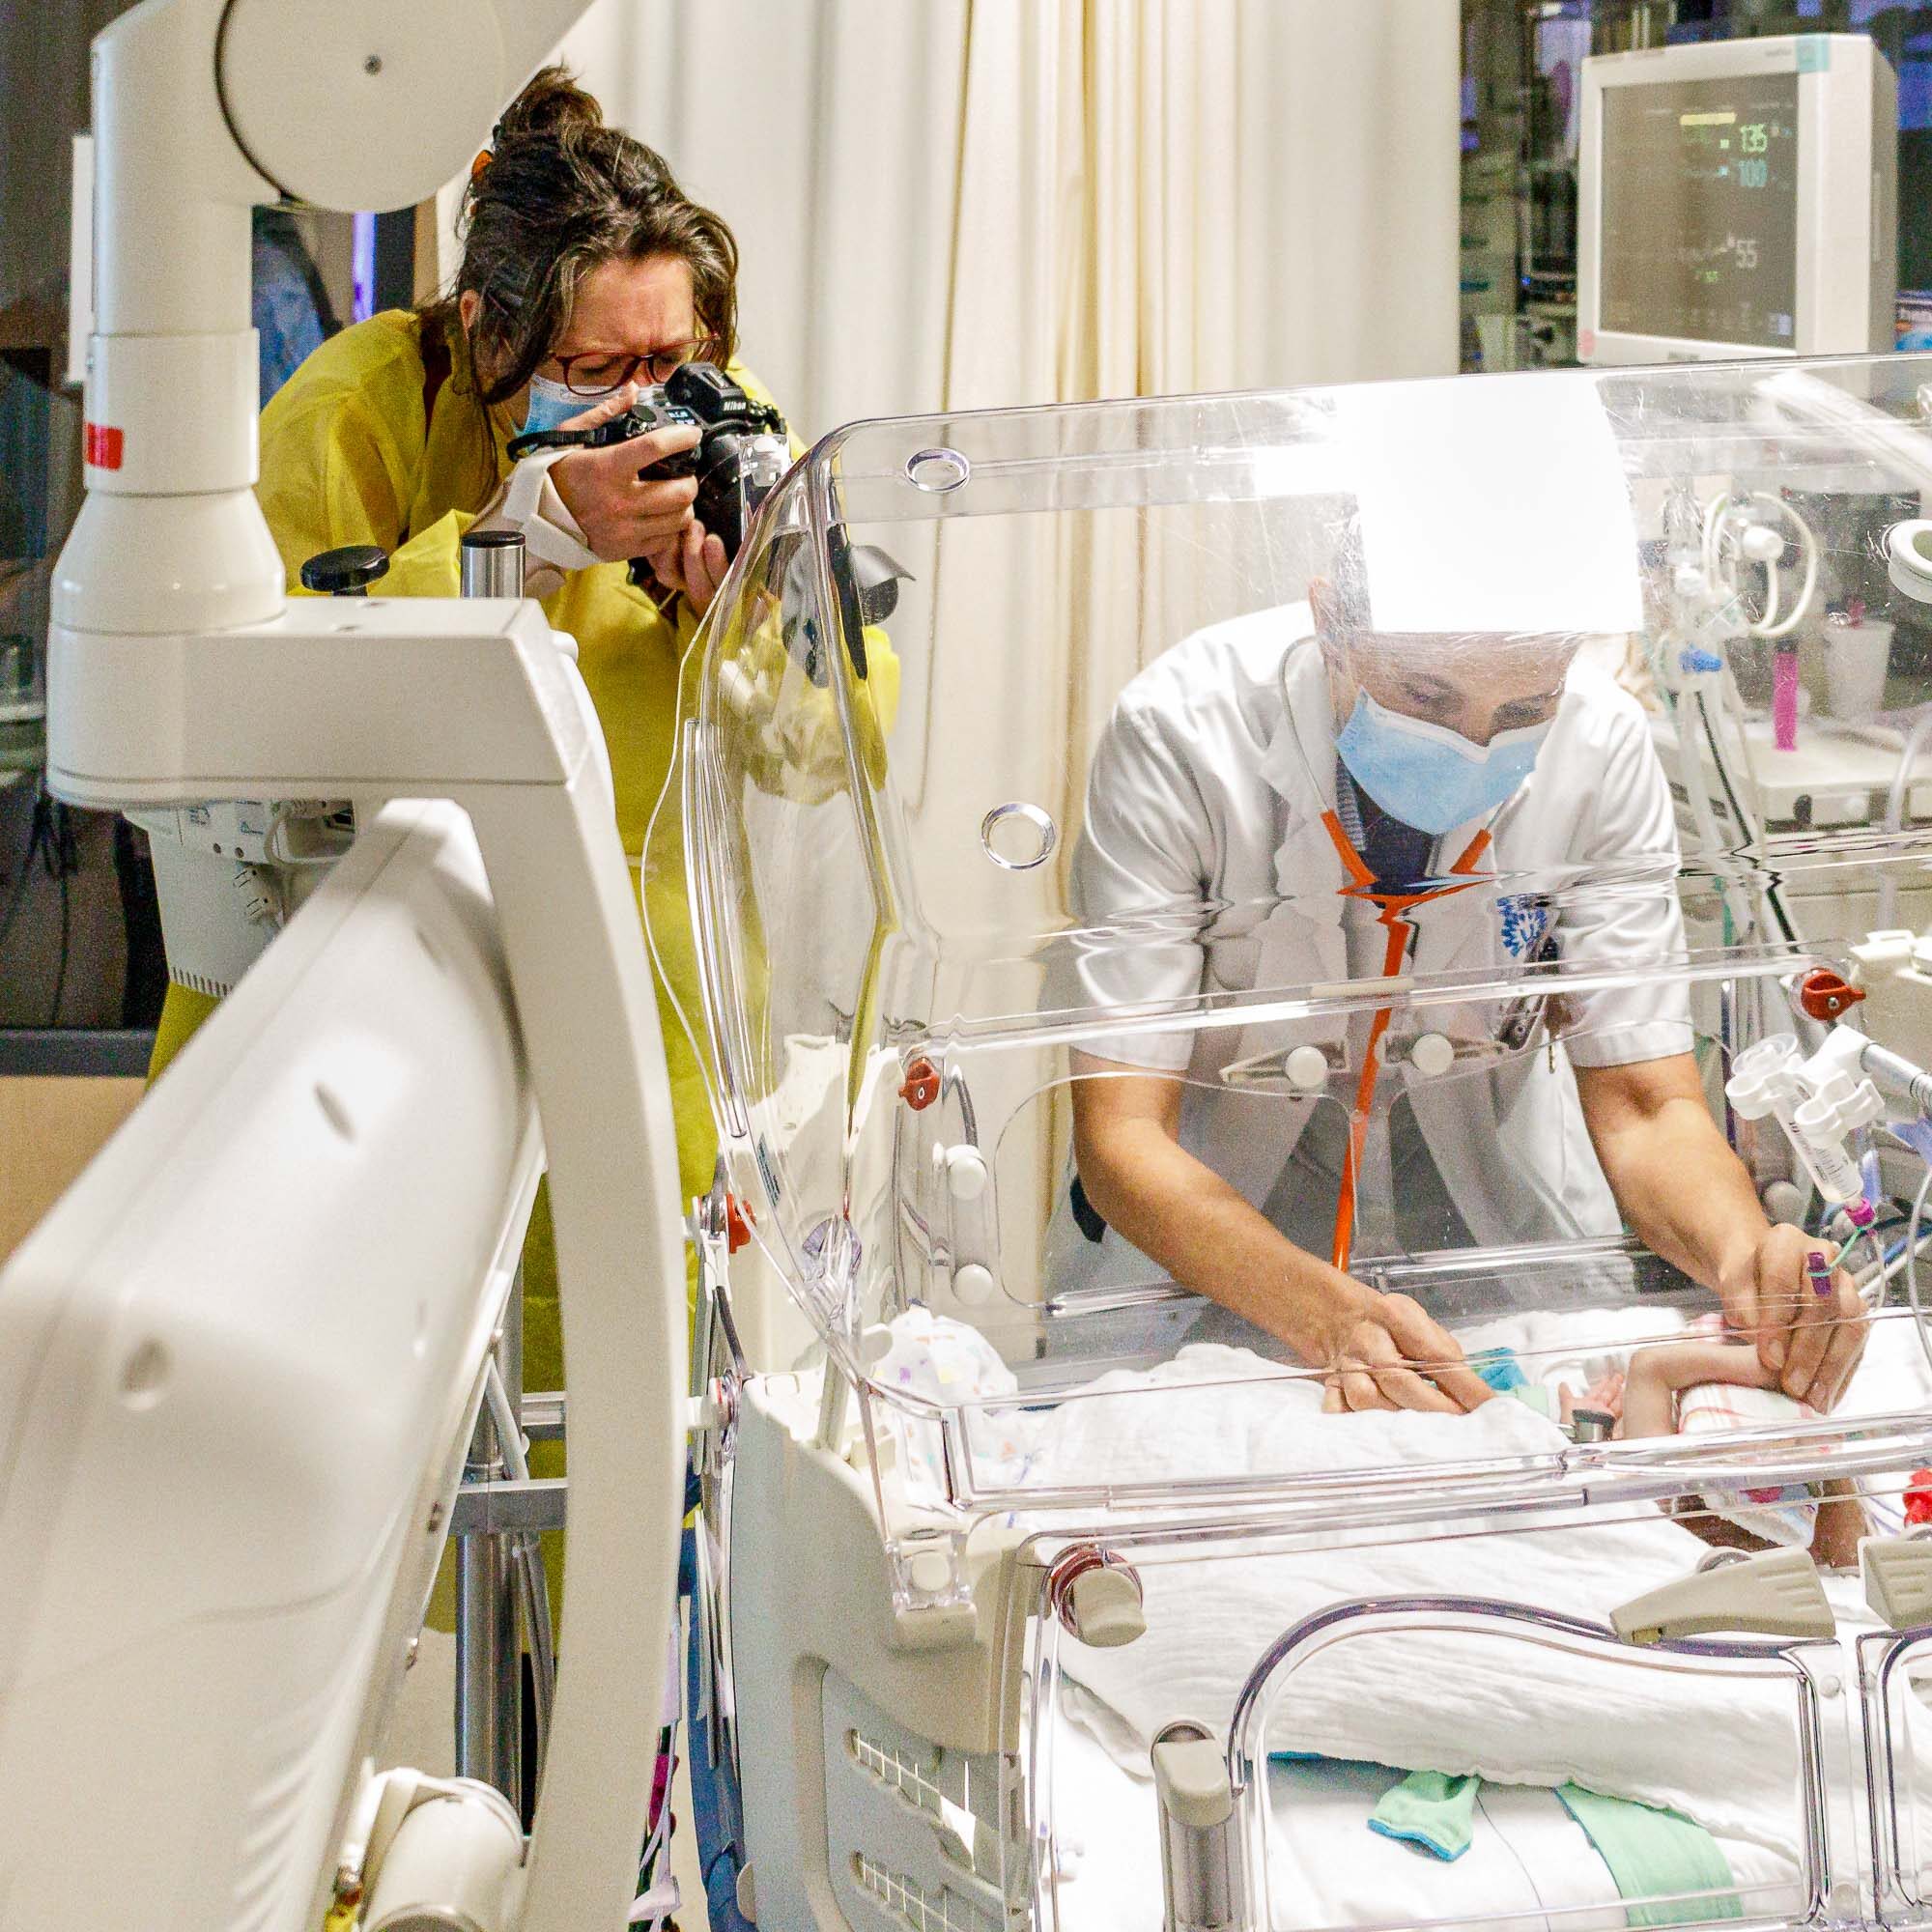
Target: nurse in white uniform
[(1427, 768)]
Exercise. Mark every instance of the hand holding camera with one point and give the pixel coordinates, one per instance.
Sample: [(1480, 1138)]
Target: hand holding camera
[(678, 473), (620, 513)]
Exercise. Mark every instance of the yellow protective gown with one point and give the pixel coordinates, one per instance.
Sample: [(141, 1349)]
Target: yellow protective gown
[(347, 457)]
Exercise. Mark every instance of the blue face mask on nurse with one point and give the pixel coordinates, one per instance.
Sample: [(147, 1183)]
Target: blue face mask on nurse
[(1434, 736)]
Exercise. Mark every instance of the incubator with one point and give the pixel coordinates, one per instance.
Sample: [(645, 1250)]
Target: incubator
[(1247, 853)]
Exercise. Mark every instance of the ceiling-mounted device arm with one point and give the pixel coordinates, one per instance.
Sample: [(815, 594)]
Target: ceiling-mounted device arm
[(178, 672)]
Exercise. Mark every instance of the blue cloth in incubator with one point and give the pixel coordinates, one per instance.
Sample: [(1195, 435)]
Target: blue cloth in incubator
[(1501, 1368)]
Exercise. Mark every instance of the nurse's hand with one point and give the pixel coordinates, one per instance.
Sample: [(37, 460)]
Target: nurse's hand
[(619, 516), (693, 562), (1810, 1343), (1386, 1353)]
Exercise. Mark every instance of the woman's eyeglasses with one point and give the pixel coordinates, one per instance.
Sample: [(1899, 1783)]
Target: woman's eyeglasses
[(599, 370)]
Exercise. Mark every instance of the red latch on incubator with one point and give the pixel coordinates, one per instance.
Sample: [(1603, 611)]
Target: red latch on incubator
[(922, 1085), (1825, 996), (737, 1224), (1919, 1498)]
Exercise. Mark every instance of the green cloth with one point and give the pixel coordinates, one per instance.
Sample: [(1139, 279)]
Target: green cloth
[(1651, 1854), (1430, 1808)]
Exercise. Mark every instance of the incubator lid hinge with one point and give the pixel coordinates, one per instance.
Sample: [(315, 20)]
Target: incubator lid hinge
[(1776, 1592)]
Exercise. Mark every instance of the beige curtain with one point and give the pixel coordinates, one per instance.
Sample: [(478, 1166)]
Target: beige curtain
[(966, 203)]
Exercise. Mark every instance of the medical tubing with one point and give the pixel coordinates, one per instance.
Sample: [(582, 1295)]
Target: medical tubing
[(1768, 624), (1893, 1073), (1911, 1266), (1807, 544), (1895, 811), (1745, 833)]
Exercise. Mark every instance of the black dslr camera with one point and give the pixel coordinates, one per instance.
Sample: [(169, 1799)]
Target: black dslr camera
[(741, 454)]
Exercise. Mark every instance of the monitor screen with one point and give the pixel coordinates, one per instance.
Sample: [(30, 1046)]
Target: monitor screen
[(1699, 236)]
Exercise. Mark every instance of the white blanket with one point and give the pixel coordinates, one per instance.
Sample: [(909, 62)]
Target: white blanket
[(1721, 1749), (1527, 1858)]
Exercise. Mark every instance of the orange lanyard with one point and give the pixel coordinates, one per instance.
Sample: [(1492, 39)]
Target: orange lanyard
[(1390, 911)]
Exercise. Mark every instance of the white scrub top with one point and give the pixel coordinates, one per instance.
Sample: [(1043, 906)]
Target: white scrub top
[(1207, 791)]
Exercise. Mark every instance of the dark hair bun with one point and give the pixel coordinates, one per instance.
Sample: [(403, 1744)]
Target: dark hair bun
[(552, 104)]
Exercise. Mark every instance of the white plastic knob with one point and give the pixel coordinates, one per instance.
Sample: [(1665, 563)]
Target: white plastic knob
[(1761, 543), (1432, 1054), (973, 1285), (965, 1171), (930, 1572), (1307, 1069)]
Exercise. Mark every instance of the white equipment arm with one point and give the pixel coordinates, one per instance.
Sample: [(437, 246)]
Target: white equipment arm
[(177, 675)]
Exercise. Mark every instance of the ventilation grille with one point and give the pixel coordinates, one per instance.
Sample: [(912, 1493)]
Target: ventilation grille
[(924, 1911), (898, 1774)]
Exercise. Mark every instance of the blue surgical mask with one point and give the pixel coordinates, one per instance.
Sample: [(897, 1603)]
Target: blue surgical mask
[(1428, 776), (553, 402)]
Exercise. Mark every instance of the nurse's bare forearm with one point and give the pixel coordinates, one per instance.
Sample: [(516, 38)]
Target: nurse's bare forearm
[(1181, 1213), (1672, 1172)]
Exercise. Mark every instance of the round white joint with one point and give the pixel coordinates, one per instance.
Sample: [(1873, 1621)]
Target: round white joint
[(1432, 1054), (1307, 1069), (1907, 559), (973, 1284), (965, 1171), (930, 1572)]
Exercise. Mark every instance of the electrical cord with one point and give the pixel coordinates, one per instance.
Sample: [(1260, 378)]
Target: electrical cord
[(66, 936), (51, 840), (1912, 1265)]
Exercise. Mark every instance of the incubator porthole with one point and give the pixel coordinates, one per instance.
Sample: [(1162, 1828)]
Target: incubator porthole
[(937, 470), (1017, 837)]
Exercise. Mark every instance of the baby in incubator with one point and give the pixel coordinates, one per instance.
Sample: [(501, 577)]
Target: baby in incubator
[(1707, 1383)]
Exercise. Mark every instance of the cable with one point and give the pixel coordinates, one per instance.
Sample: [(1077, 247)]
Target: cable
[(50, 839), (1769, 625), (19, 895), (60, 971), (1911, 1266), (36, 838)]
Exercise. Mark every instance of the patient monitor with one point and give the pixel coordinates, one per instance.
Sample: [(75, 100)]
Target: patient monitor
[(1738, 199), (239, 1363)]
